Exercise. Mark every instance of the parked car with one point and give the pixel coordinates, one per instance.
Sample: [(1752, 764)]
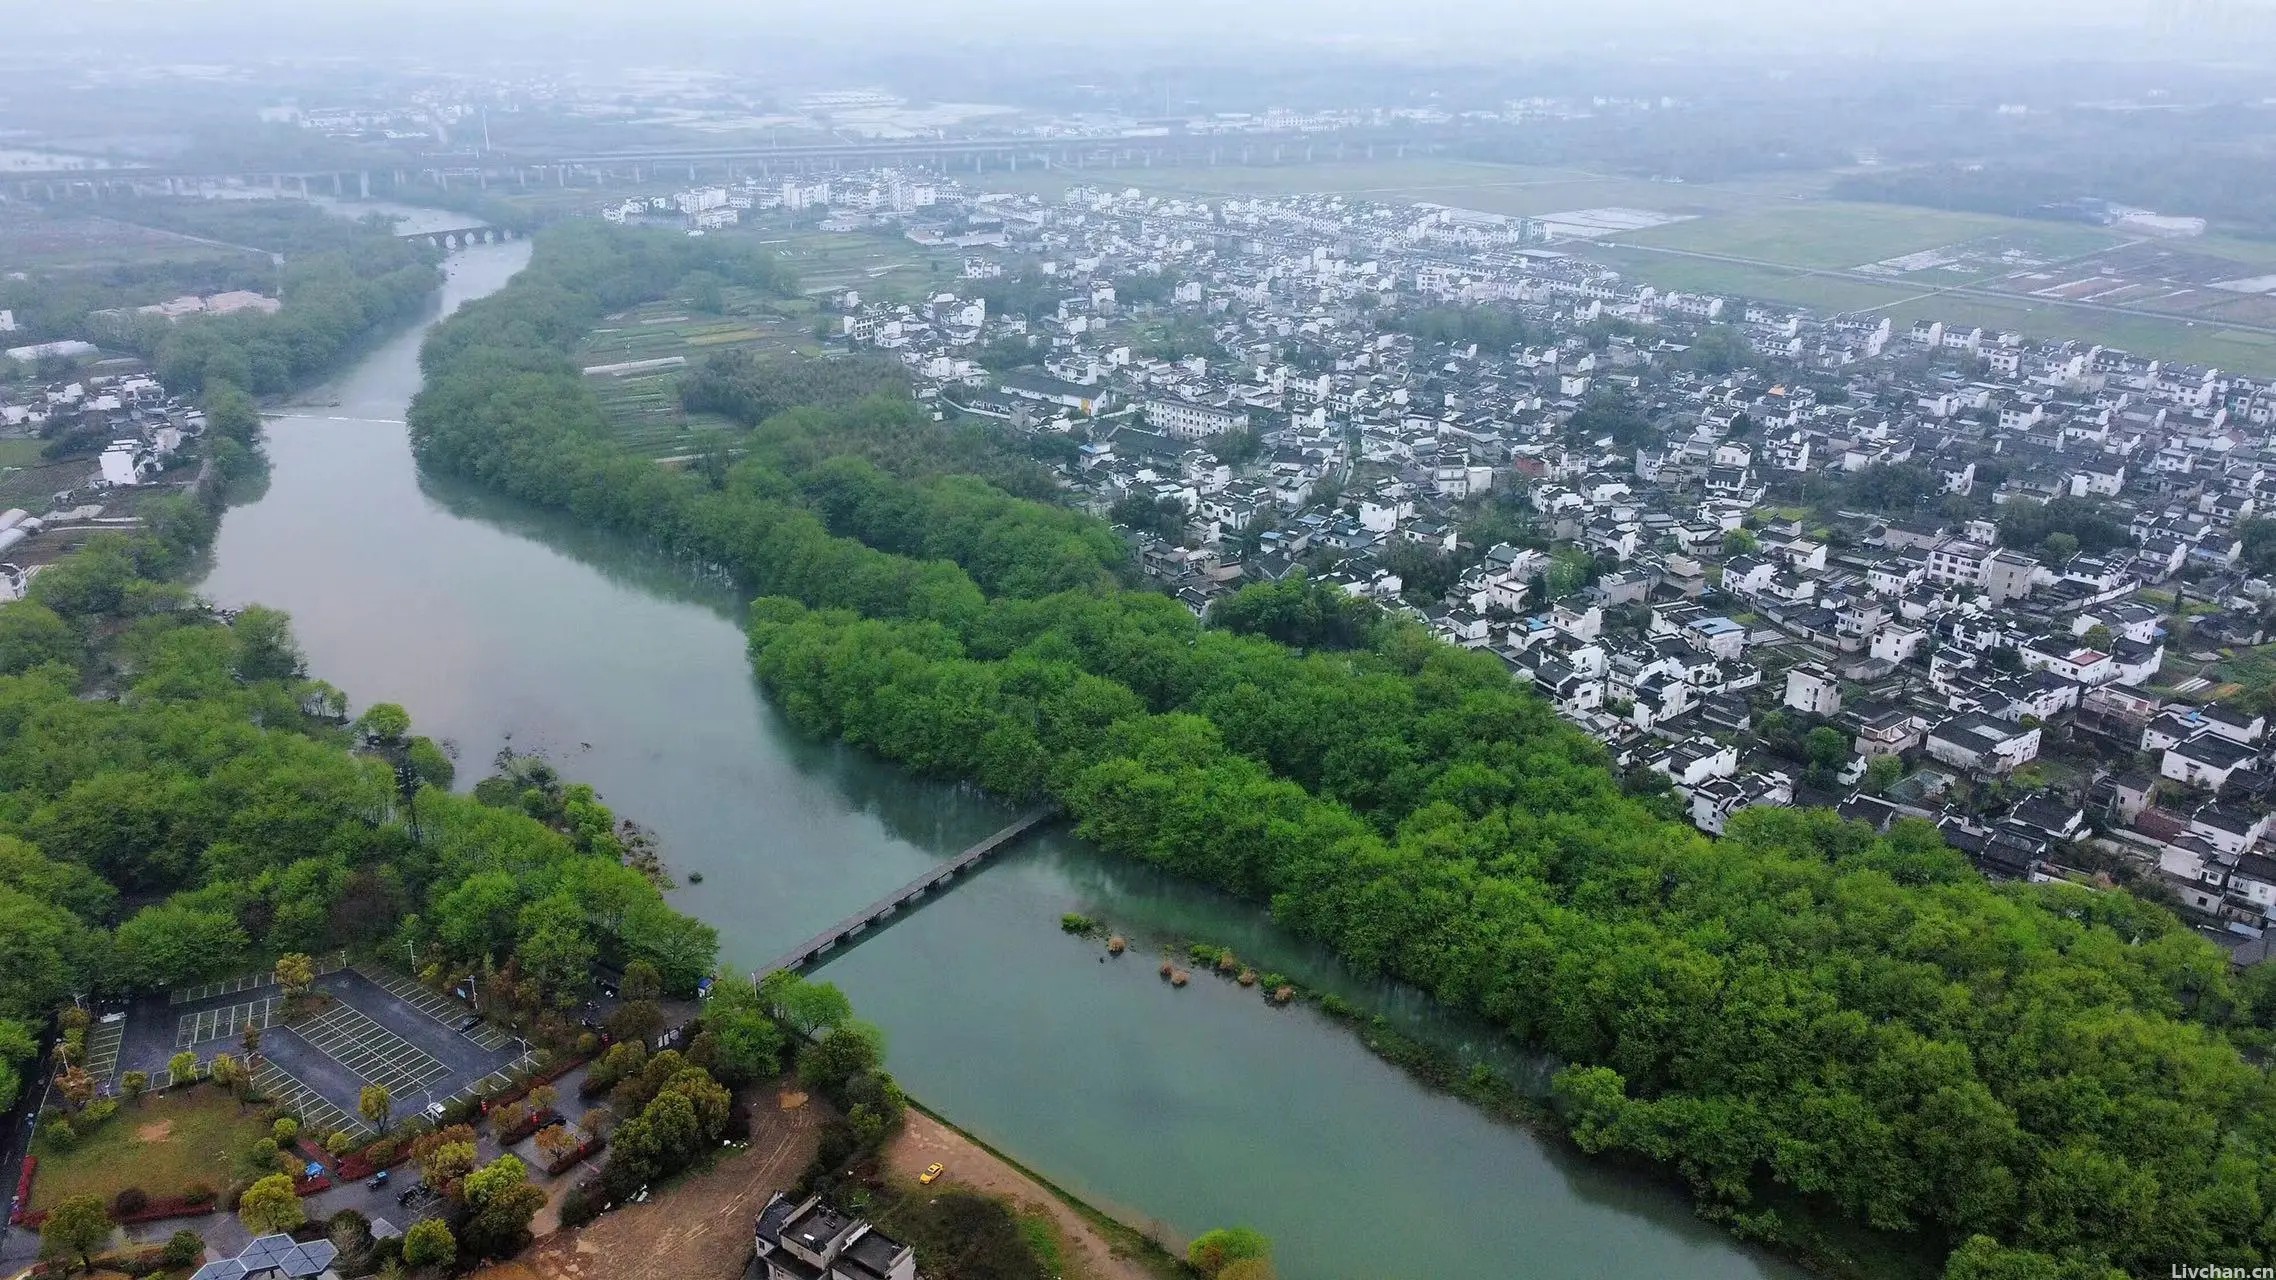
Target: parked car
[(931, 1173)]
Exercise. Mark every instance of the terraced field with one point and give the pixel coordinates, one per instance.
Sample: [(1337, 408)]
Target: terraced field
[(634, 361)]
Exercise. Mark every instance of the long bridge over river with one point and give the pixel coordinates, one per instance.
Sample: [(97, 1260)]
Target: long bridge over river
[(898, 902)]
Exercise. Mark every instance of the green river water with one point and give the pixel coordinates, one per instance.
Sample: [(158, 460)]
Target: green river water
[(1178, 1110)]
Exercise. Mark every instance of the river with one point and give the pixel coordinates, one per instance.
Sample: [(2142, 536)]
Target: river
[(1176, 1109)]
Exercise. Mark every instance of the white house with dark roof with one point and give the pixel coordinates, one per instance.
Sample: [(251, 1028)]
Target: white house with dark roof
[(2206, 760), (1978, 742)]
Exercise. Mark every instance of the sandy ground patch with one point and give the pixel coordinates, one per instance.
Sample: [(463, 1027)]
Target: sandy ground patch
[(924, 1140), (700, 1227)]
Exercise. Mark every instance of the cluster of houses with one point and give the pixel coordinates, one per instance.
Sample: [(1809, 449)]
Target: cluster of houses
[(137, 431), (1817, 530)]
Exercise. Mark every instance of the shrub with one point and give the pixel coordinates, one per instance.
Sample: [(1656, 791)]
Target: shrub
[(1076, 922), (183, 1249), (580, 1205), (94, 1114), (129, 1201), (286, 1129), (197, 1193)]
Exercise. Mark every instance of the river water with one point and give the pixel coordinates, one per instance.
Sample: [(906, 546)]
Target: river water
[(496, 624)]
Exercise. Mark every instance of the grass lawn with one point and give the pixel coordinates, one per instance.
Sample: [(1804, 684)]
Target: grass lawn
[(164, 1145)]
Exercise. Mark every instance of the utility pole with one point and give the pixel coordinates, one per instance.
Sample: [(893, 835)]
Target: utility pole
[(407, 785)]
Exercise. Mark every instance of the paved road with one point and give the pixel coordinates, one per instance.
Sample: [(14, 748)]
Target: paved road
[(1963, 290)]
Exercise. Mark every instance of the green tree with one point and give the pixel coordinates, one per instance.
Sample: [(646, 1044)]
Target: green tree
[(385, 725), (809, 1008), (447, 1163), (2059, 547), (32, 634), (1883, 773), (75, 1228), (270, 1206), (849, 1049), (133, 1085), (172, 943), (266, 649), (2098, 638), (641, 981), (1739, 542), (296, 973), (429, 1243), (376, 1104), (181, 1066), (500, 1203), (1826, 747)]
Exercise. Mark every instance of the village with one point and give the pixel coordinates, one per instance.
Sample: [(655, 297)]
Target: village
[(1764, 556)]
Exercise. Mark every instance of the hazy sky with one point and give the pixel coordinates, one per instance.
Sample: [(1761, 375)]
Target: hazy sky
[(450, 30)]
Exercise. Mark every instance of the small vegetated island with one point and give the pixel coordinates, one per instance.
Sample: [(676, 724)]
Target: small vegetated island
[(1802, 1019)]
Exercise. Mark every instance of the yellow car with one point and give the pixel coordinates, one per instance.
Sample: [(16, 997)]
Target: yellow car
[(931, 1172)]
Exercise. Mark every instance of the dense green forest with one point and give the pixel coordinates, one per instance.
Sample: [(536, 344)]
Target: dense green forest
[(214, 808), (2049, 1080), (331, 300), (179, 800), (341, 278)]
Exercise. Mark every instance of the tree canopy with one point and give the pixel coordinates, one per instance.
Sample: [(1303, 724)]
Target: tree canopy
[(1853, 1018)]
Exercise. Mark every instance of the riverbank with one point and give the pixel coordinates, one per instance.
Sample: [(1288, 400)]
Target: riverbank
[(1099, 1247), (496, 623)]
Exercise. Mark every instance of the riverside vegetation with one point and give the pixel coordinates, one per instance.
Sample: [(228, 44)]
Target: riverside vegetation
[(180, 801), (2044, 1080)]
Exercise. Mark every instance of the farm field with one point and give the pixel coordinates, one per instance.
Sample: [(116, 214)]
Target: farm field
[(1795, 286), (2197, 336), (1471, 184), (1848, 236), (882, 267), (658, 341), (164, 1145), (33, 239), (643, 401)]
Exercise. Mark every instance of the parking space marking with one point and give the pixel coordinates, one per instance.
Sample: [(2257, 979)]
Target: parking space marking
[(352, 1039), (332, 962), (103, 1049), (280, 1086), (220, 1024), (436, 1005)]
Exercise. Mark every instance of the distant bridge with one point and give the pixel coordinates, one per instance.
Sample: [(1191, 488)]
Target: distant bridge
[(877, 913), (459, 237), (470, 171)]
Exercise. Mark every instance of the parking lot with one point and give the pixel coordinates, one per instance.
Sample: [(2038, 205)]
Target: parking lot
[(370, 1050), (378, 1027), (226, 1022), (434, 1004)]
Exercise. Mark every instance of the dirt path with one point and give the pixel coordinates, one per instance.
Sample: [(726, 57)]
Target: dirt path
[(700, 1227), (924, 1140)]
